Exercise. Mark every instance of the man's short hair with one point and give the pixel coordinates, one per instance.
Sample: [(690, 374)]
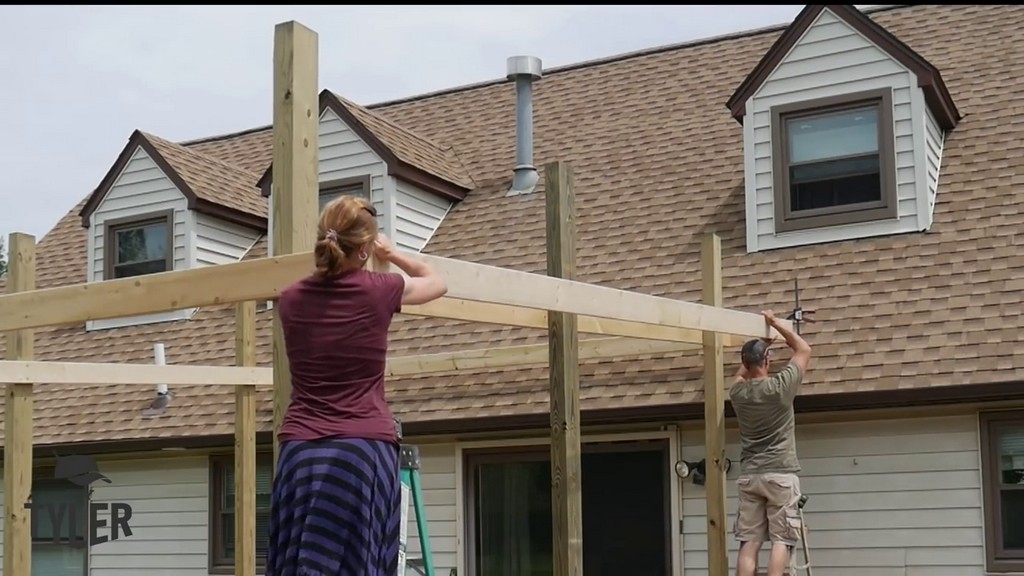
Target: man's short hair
[(754, 353)]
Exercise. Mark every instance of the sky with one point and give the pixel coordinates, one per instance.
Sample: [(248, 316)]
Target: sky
[(79, 80)]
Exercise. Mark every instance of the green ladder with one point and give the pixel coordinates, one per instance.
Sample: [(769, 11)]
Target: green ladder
[(409, 462)]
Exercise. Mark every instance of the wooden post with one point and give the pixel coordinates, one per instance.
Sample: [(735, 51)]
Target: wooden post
[(21, 277), (563, 339), (295, 185), (714, 411), (245, 443)]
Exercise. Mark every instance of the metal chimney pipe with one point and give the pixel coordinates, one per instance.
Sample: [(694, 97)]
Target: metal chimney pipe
[(524, 70)]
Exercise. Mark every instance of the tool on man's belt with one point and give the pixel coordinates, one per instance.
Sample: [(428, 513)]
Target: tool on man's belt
[(799, 316), (806, 566)]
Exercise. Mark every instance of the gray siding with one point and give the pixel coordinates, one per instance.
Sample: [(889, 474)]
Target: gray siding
[(417, 215), (437, 474), (220, 242), (934, 142), (142, 188), (831, 59), (887, 498)]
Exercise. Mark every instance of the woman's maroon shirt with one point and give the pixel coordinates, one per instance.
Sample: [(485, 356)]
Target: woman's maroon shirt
[(336, 337)]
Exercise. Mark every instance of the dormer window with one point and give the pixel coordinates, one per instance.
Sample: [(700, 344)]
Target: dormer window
[(834, 161), (359, 187), (138, 246)]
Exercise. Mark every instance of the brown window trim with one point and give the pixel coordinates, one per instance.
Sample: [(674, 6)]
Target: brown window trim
[(471, 458), (110, 227), (218, 563), (996, 559), (785, 221)]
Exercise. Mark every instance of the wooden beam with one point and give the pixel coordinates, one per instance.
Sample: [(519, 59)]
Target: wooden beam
[(95, 373), (295, 187), (245, 443), (17, 550), (564, 377), (714, 411), (524, 355), (476, 293)]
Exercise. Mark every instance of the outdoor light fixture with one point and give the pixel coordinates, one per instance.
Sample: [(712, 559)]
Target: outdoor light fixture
[(698, 470)]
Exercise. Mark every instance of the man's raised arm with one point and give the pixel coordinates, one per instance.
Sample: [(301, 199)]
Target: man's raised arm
[(801, 349)]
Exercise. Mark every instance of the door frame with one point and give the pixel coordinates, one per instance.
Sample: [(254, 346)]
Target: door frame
[(469, 449)]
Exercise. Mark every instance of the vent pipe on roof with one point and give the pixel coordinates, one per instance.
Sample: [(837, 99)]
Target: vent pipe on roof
[(524, 70), (163, 398)]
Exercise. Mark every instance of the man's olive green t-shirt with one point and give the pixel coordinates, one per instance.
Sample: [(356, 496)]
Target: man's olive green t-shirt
[(764, 409)]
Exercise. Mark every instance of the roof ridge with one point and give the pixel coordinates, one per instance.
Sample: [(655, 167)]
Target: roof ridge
[(871, 9), (224, 136)]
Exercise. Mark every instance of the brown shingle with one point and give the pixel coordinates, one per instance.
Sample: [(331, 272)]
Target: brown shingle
[(658, 161)]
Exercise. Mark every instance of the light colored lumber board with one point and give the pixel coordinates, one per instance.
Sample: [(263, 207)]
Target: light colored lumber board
[(470, 287), (17, 545), (295, 186), (96, 373), (564, 379), (714, 411), (525, 355), (245, 443)]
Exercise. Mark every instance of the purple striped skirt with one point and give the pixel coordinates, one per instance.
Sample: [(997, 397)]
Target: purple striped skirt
[(335, 509)]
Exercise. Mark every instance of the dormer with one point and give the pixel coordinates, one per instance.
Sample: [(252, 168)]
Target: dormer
[(164, 207), (843, 131), (411, 181)]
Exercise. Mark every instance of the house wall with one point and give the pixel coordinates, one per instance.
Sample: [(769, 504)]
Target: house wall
[(407, 214), (220, 242), (141, 188), (831, 59), (887, 498), (417, 215)]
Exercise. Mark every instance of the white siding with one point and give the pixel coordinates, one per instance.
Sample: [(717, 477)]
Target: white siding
[(141, 188), (831, 59), (934, 142), (220, 242), (437, 476), (170, 520), (887, 498), (417, 216)]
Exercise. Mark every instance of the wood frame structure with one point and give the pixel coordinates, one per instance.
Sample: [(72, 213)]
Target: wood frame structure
[(632, 323)]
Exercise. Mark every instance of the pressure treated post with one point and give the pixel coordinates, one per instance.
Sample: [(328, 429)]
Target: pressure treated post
[(563, 339), (714, 411), (245, 443), (21, 277), (295, 185)]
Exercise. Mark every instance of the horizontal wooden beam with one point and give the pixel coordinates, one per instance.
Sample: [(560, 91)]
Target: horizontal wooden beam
[(89, 373), (263, 278)]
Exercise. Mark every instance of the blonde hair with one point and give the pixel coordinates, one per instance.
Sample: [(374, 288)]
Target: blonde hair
[(346, 224)]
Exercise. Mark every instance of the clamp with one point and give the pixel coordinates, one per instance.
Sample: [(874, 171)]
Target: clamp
[(799, 316)]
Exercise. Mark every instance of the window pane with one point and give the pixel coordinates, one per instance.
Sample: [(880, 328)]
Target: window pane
[(835, 183), (140, 268), (1011, 454), (264, 488), (514, 519), (847, 133), (58, 560), (1012, 514), (142, 244), (48, 500), (330, 194)]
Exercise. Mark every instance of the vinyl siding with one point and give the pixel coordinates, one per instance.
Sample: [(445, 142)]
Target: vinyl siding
[(437, 475), (417, 216), (141, 189), (934, 142), (221, 242), (887, 498), (832, 59)]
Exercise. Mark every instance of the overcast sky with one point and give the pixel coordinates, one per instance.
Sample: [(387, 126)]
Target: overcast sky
[(78, 81)]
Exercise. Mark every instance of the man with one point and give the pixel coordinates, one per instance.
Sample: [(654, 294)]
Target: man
[(768, 487)]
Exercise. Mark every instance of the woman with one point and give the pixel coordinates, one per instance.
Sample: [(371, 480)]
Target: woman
[(335, 508)]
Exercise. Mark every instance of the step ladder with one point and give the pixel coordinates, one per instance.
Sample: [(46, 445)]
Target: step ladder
[(409, 464)]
